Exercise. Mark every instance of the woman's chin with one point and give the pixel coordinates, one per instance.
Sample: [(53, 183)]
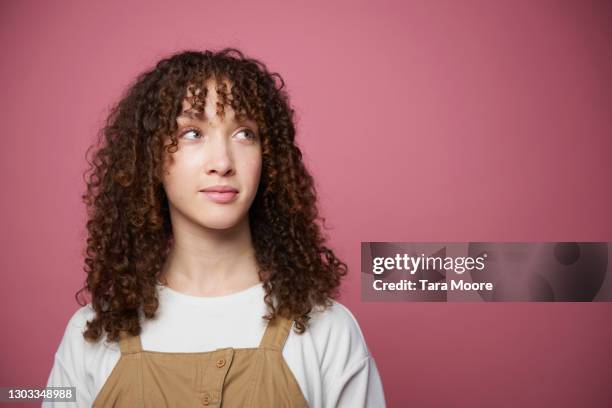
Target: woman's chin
[(220, 222)]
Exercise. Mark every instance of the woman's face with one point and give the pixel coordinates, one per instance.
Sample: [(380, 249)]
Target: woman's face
[(212, 152)]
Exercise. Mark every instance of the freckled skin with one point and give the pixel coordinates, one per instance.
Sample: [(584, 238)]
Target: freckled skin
[(216, 152)]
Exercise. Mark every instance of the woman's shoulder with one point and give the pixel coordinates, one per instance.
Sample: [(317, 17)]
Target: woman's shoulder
[(73, 339), (336, 329), (81, 316), (79, 362), (338, 359)]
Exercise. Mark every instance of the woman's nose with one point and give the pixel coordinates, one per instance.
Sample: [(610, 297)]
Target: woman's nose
[(219, 157)]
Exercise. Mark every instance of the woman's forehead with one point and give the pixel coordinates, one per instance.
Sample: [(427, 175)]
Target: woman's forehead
[(195, 87), (195, 93), (208, 110), (195, 107), (229, 116)]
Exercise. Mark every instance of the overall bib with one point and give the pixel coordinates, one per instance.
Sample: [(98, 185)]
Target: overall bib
[(226, 377)]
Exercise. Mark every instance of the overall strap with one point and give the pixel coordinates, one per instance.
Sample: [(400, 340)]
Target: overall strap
[(129, 344), (276, 333)]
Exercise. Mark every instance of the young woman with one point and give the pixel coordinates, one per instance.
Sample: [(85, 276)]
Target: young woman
[(210, 282)]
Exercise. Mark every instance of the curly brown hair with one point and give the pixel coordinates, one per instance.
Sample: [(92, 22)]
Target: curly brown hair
[(129, 228)]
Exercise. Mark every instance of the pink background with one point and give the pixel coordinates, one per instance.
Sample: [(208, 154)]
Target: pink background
[(421, 121)]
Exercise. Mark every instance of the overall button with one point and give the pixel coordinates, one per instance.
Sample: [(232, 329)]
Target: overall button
[(220, 362), (206, 399)]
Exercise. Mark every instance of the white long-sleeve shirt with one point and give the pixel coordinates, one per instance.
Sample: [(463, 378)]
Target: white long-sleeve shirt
[(330, 361)]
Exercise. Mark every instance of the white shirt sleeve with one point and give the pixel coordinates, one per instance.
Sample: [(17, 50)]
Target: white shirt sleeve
[(69, 364), (350, 375), (358, 386)]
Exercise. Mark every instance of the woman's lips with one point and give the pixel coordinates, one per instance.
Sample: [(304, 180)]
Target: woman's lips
[(221, 197)]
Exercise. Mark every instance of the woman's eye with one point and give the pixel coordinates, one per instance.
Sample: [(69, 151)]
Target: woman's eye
[(248, 132), (192, 134), (188, 131)]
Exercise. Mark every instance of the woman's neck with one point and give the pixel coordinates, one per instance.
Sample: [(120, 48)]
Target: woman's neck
[(211, 262)]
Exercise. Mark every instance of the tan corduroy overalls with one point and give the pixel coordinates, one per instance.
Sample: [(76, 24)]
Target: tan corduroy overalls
[(225, 377)]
